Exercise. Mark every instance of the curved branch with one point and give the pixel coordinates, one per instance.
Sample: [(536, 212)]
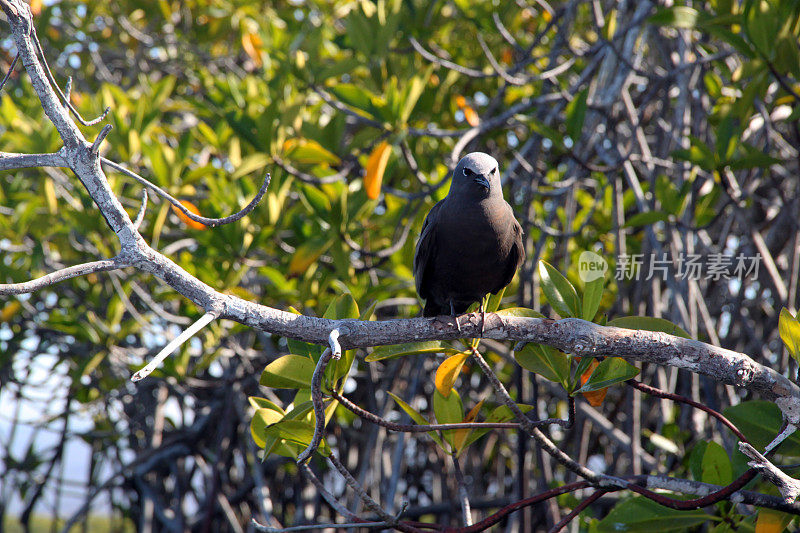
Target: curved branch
[(471, 72), (52, 278), (210, 222)]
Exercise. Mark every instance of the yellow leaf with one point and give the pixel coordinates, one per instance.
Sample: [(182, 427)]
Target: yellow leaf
[(308, 151), (770, 521), (50, 196), (471, 116), (595, 398), (186, 220), (376, 166), (8, 312), (305, 255), (461, 435), (789, 330), (448, 371), (253, 47)]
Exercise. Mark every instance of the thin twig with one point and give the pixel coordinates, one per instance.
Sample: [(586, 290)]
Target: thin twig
[(578, 510), (142, 210), (653, 391), (10, 70), (84, 269), (172, 346), (463, 496), (210, 222), (534, 431), (54, 84)]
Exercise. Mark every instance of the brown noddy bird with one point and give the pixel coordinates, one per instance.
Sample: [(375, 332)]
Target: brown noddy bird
[(470, 244)]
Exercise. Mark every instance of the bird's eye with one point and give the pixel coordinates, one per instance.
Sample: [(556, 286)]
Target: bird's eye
[(467, 172), (494, 170)]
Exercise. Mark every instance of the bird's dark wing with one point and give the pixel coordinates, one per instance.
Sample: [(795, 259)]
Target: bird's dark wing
[(426, 246), (515, 258)]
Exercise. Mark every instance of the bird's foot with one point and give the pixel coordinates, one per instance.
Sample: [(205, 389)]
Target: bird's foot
[(455, 317)]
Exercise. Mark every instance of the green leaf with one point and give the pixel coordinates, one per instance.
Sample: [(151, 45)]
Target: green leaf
[(609, 372), (263, 418), (448, 410), (716, 467), (559, 291), (545, 361), (592, 295), (416, 417), (522, 312), (649, 323), (309, 151), (789, 329), (761, 421), (412, 93), (493, 303), (297, 431), (317, 200), (409, 348), (263, 403), (359, 98), (639, 514), (646, 218), (581, 368), (576, 114), (696, 459), (288, 372), (675, 16)]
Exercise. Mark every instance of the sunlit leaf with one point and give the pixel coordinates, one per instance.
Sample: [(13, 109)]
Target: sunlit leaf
[(448, 371), (376, 166), (545, 361), (409, 348), (560, 293), (649, 323), (789, 329), (288, 372)]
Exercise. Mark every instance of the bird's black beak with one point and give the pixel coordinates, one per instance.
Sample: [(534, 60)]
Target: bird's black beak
[(482, 181)]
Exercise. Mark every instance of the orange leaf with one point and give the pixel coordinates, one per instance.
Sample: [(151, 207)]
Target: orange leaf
[(461, 102), (253, 46), (471, 116), (36, 7), (508, 56), (186, 220), (769, 521), (595, 398), (376, 166), (448, 371)]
